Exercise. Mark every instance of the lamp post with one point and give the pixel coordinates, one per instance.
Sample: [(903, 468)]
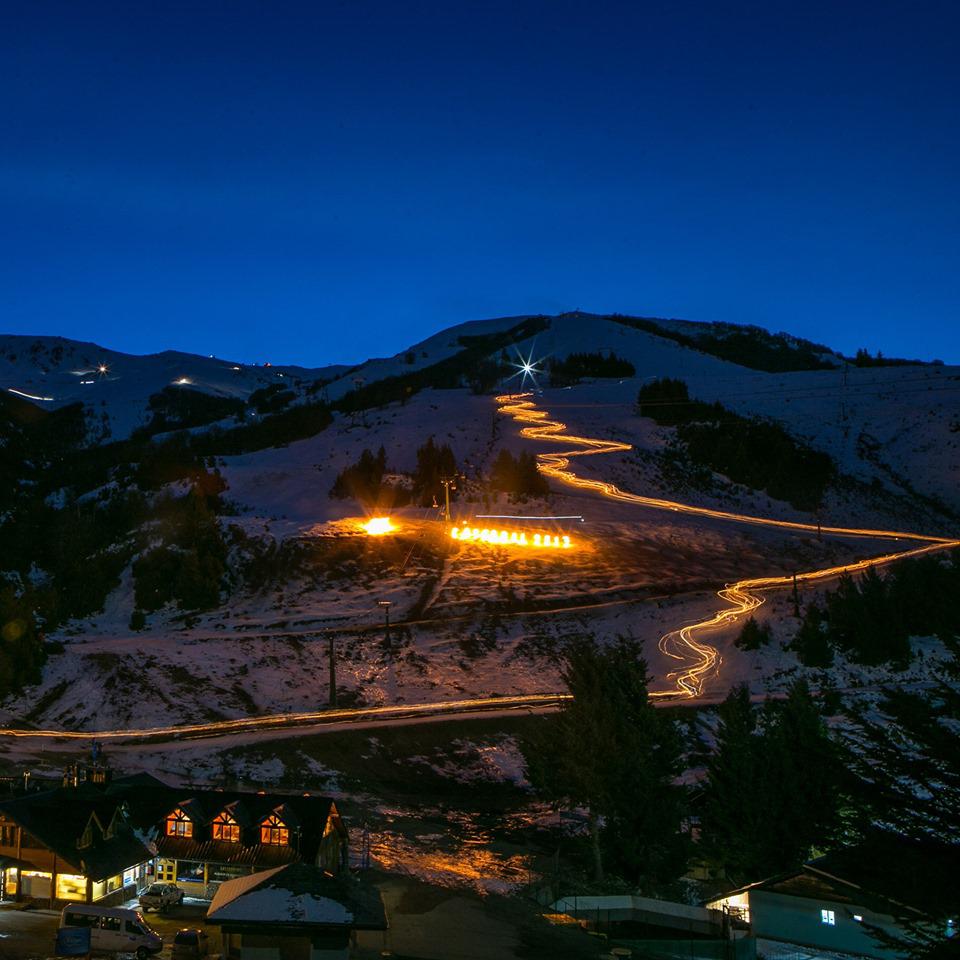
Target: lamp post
[(386, 612), (333, 670)]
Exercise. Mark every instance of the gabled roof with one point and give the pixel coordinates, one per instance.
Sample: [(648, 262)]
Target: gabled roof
[(58, 818), (238, 811), (298, 897)]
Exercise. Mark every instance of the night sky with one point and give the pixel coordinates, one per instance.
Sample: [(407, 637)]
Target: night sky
[(323, 182)]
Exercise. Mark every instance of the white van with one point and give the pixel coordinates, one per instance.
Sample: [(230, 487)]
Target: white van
[(113, 929)]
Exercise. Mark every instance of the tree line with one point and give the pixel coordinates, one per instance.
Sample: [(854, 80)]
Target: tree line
[(870, 618), (778, 783), (758, 453), (574, 367), (363, 480)]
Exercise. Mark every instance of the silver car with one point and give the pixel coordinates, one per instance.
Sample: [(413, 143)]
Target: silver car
[(160, 897)]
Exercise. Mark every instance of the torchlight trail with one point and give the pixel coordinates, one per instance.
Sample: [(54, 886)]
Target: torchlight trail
[(702, 659)]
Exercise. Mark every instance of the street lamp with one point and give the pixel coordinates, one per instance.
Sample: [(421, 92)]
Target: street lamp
[(386, 612)]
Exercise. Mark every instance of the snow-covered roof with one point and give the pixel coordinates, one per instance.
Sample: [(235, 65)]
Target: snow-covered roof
[(295, 896)]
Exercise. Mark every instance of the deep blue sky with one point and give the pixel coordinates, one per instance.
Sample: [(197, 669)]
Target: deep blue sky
[(323, 182)]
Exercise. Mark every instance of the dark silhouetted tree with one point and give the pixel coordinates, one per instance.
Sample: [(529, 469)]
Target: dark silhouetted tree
[(610, 750)]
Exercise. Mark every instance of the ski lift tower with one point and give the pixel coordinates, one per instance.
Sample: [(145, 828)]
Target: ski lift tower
[(449, 483)]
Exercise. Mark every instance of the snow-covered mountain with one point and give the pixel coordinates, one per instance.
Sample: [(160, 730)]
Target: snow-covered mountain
[(296, 567)]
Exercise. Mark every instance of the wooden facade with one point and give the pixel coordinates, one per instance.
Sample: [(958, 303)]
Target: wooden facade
[(104, 841)]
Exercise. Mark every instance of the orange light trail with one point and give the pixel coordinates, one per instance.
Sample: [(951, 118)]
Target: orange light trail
[(701, 660), (388, 712)]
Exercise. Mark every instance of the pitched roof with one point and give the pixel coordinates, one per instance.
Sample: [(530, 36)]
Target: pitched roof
[(58, 819), (222, 851), (885, 872), (297, 897)]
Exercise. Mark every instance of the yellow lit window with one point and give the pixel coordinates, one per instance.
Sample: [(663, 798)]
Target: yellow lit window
[(71, 887), (273, 830), (179, 824), (226, 828)]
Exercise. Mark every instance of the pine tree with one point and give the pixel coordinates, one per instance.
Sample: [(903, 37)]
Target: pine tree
[(811, 643), (905, 758), (753, 635), (773, 795), (732, 811), (610, 750), (805, 774)]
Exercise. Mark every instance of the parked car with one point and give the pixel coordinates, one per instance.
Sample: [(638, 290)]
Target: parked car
[(190, 943), (113, 929), (160, 896)]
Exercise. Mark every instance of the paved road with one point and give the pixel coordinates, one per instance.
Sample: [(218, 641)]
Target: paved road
[(30, 934)]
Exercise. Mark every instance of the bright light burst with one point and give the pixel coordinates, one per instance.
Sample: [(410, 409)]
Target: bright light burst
[(378, 526), (527, 367)]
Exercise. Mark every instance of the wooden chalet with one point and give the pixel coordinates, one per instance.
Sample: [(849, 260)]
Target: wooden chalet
[(102, 839)]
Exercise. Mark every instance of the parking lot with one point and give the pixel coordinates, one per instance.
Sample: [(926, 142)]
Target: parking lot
[(30, 934)]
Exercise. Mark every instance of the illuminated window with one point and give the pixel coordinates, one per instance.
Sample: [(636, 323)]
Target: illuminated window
[(226, 828), (273, 830), (828, 917), (179, 824), (71, 886)]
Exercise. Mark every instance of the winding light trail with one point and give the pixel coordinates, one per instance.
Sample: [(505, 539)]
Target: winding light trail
[(701, 660)]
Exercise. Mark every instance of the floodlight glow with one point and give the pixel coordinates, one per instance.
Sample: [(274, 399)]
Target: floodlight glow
[(378, 526), (510, 538)]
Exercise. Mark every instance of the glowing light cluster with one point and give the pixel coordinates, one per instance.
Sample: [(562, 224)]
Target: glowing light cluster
[(378, 526), (510, 538)]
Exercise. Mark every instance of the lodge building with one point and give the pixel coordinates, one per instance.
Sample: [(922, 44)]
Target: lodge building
[(100, 839)]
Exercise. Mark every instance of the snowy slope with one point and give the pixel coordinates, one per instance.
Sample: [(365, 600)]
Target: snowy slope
[(55, 372), (482, 624)]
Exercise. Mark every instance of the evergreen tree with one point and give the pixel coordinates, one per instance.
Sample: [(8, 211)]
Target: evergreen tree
[(610, 750), (519, 476), (733, 814), (904, 756), (362, 481), (805, 776), (811, 643), (771, 796), (753, 635), (433, 464)]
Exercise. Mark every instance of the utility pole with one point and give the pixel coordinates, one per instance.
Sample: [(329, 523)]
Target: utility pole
[(333, 670), (386, 610), (796, 598)]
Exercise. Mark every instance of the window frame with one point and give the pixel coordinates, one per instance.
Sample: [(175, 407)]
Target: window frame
[(274, 832), (225, 828), (178, 824)]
